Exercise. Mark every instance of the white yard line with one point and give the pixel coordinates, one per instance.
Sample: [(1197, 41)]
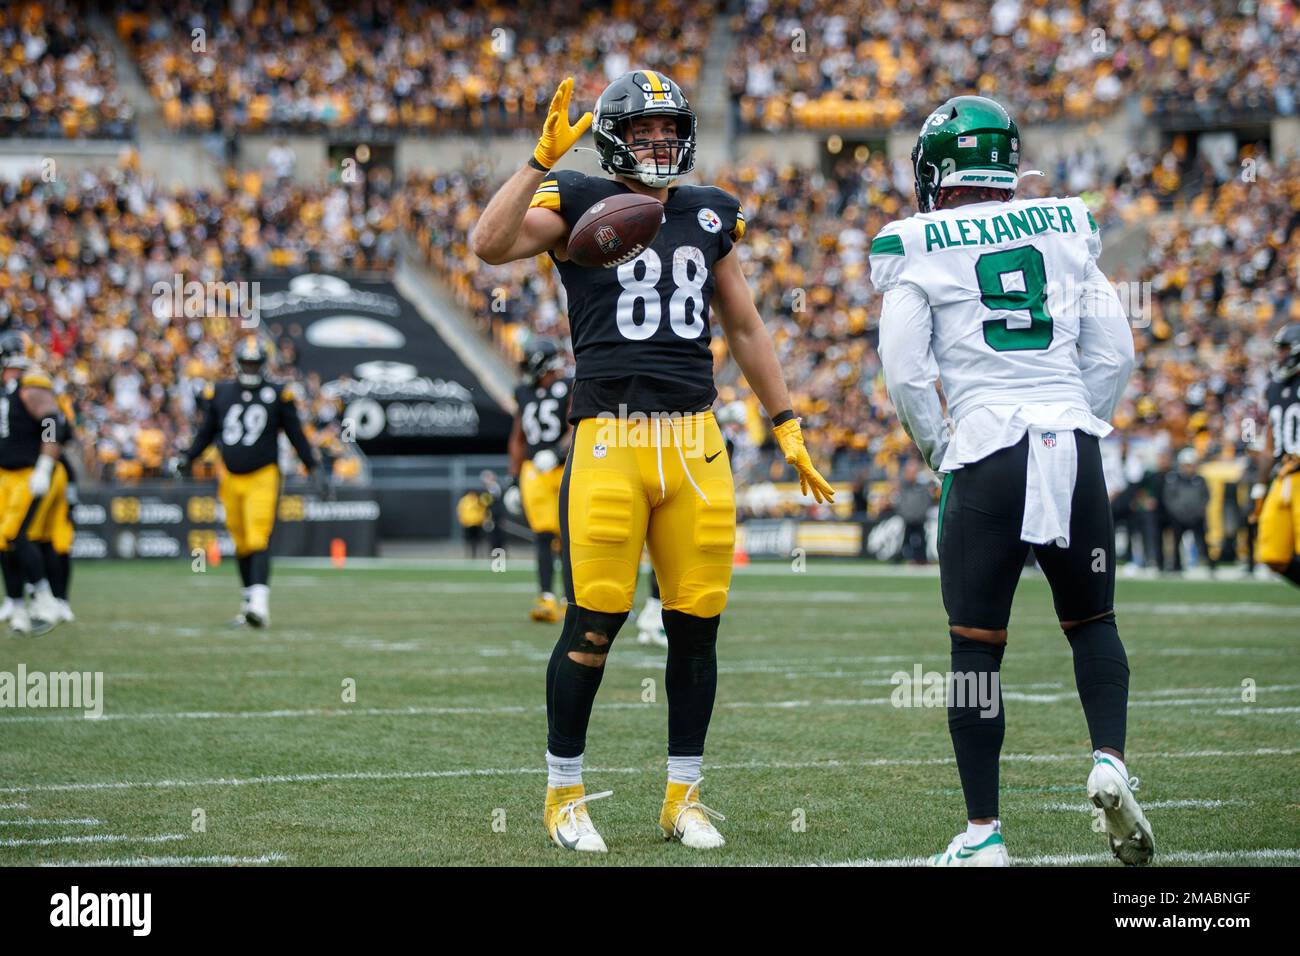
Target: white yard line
[(1150, 805), (66, 822), (1229, 695), (220, 860), (380, 775), (97, 838), (1075, 859), (1243, 711)]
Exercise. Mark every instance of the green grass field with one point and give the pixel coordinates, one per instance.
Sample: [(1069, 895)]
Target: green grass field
[(439, 760)]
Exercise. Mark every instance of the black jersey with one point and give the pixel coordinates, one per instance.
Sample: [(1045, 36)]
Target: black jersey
[(1283, 400), (20, 434), (245, 422), (542, 411), (641, 330)]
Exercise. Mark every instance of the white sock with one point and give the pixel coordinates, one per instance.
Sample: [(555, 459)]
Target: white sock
[(42, 589), (244, 595), (260, 592), (685, 769), (977, 833), (563, 771), (548, 596)]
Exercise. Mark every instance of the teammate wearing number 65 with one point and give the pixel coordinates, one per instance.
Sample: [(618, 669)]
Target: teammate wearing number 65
[(647, 465), (244, 417), (1002, 300)]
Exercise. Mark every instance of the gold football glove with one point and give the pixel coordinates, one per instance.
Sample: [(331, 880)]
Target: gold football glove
[(790, 438), (557, 134)]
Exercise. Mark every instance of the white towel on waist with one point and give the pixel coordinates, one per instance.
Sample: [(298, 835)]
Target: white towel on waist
[(1049, 486)]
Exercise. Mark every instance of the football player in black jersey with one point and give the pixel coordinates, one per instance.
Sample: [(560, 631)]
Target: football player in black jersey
[(1278, 540), (245, 417), (32, 479), (537, 445), (647, 464)]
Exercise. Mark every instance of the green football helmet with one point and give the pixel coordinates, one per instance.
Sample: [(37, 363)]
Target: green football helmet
[(968, 141)]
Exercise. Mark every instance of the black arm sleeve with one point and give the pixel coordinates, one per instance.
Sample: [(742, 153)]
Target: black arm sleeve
[(207, 432), (297, 437)]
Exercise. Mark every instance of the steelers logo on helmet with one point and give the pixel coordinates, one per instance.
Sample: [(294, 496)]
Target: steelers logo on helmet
[(250, 360), (636, 94)]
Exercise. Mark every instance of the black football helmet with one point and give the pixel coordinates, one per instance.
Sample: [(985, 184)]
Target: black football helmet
[(1287, 343), (643, 93), (15, 349), (541, 356), (250, 360)]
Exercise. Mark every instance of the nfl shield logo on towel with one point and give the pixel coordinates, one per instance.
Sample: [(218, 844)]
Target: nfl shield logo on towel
[(1049, 439)]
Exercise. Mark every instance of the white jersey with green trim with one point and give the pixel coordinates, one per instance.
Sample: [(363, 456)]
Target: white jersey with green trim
[(1004, 303)]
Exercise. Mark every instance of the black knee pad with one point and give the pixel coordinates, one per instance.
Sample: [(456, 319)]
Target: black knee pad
[(579, 622), (975, 657)]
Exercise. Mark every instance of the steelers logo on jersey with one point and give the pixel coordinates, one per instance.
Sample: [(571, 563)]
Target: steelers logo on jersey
[(709, 221), (267, 394)]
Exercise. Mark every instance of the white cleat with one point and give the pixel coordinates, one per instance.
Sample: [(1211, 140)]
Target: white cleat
[(650, 624), (567, 821), (65, 611), (46, 610), (7, 609), (258, 610), (991, 852), (1118, 814), (685, 819), (20, 622)]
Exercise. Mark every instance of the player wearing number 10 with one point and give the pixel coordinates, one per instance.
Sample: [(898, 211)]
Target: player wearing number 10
[(245, 417), (1002, 300), (641, 333)]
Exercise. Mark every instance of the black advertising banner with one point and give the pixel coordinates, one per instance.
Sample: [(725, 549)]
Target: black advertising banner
[(174, 521), (403, 389)]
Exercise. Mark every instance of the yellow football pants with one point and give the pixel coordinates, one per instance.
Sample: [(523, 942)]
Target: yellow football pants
[(16, 503), (250, 502), (665, 484), (540, 491), (1278, 540)]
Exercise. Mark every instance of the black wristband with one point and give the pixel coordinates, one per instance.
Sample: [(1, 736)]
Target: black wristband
[(532, 161), (782, 417)]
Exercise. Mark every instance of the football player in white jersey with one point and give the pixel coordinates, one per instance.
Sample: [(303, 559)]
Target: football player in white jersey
[(1002, 302)]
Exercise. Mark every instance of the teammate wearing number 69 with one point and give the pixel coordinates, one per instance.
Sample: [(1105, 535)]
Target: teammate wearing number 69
[(648, 464), (245, 417), (1002, 300)]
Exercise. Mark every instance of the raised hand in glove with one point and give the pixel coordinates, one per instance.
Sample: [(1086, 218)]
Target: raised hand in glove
[(557, 135), (790, 438)]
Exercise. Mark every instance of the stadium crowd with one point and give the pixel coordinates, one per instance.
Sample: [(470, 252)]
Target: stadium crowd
[(81, 260), (394, 64), (471, 65), (56, 77), (827, 63)]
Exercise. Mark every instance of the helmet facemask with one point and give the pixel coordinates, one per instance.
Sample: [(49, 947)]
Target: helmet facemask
[(639, 94), (651, 169)]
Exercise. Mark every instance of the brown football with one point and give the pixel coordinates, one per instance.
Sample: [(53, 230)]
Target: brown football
[(615, 230)]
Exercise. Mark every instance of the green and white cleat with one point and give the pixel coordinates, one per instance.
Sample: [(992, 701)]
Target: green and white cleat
[(1118, 814), (991, 852)]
